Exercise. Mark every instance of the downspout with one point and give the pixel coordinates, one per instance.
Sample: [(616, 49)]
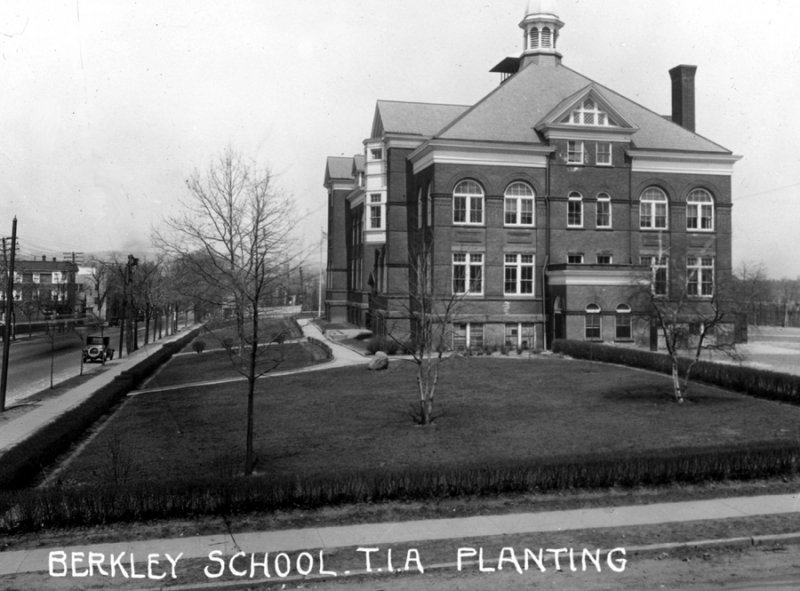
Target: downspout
[(545, 317)]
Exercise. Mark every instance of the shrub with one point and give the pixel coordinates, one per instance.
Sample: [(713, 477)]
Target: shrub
[(199, 345), (390, 346), (504, 350), (373, 345), (225, 494), (748, 380)]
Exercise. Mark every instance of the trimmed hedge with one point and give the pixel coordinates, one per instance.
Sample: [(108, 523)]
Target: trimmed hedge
[(87, 505), (23, 463), (322, 345), (760, 383)]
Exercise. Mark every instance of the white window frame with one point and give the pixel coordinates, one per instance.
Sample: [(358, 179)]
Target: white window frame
[(516, 195), (589, 114), (700, 276), (649, 202), (575, 152), (376, 202), (514, 264), (470, 330), (610, 259), (577, 255), (699, 202), (472, 194), (376, 154), (604, 161), (605, 199), (572, 198), (472, 269), (592, 311), (657, 264)]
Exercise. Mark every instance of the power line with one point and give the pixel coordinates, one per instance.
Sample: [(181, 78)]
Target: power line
[(767, 191)]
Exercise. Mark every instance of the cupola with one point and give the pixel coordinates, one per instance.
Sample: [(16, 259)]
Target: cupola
[(541, 28)]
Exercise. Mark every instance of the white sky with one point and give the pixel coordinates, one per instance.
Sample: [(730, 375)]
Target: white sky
[(107, 107)]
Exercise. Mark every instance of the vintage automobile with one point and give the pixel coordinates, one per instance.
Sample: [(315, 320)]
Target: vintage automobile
[(97, 348)]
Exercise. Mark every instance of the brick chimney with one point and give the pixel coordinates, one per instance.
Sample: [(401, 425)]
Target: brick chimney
[(683, 95)]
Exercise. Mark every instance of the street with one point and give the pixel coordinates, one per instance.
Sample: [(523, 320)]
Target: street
[(29, 361)]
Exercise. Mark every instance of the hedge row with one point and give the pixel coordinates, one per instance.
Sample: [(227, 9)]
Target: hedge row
[(322, 345), (62, 507), (23, 463), (761, 383)]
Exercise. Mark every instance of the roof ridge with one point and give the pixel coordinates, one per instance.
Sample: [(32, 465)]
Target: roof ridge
[(421, 103)]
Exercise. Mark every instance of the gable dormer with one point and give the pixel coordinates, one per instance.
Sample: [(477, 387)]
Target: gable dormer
[(587, 114)]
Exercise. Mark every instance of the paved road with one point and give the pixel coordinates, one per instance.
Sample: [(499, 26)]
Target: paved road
[(29, 361)]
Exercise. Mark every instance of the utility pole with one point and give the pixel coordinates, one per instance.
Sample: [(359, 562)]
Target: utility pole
[(321, 270), (9, 313)]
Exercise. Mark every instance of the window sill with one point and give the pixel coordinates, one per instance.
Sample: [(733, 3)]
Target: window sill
[(653, 229), (623, 340)]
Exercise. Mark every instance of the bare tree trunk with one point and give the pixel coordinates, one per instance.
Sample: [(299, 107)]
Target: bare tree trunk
[(676, 380), (249, 457)]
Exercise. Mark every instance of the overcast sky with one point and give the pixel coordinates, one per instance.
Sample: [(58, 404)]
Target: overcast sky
[(108, 106)]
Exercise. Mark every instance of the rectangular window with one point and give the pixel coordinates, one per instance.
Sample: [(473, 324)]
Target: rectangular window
[(376, 153), (476, 210), (467, 335), (518, 274), (604, 259), (603, 213), (459, 210), (575, 259), (519, 211), (699, 216), (592, 327), (376, 207), (575, 213), (604, 153), (623, 330), (658, 273), (467, 273), (700, 274), (574, 152)]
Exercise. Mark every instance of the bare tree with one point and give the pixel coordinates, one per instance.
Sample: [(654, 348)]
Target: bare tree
[(696, 319), (431, 317), (234, 237), (750, 287)]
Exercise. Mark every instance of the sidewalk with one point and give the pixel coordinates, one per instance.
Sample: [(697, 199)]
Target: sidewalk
[(24, 425), (342, 357), (371, 534)]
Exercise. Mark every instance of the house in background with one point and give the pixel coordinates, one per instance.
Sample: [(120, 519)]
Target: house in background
[(45, 289), (543, 207)]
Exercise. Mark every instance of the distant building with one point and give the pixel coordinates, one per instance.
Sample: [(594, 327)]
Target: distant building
[(543, 205), (44, 289)]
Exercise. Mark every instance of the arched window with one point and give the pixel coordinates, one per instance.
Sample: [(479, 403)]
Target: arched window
[(546, 37), (592, 323), (653, 209), (623, 322), (575, 210), (603, 217), (518, 205), (700, 211), (468, 203), (533, 38)]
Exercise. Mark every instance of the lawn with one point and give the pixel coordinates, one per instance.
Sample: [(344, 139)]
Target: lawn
[(269, 328), (218, 364), (493, 410)]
